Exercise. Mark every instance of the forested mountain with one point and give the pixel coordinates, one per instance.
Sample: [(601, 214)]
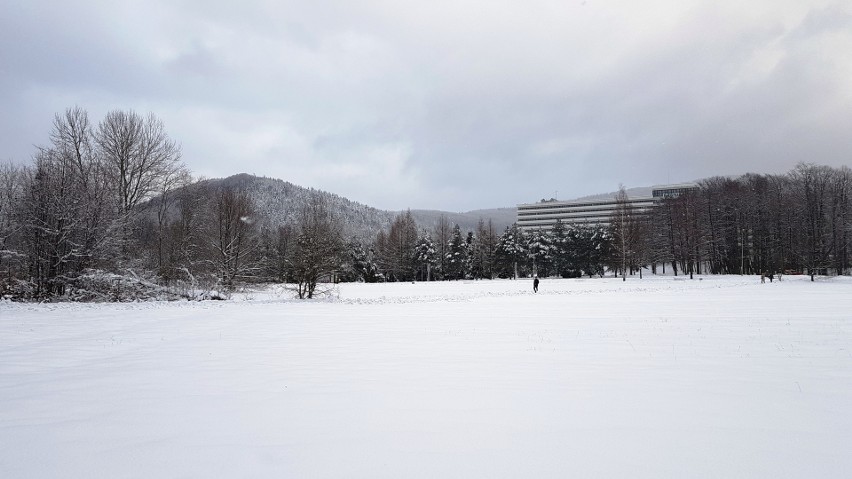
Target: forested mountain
[(278, 202)]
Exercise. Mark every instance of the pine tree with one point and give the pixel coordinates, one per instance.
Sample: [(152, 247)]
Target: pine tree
[(589, 249), (473, 263), (456, 256), (360, 265), (425, 256), (511, 251), (539, 248)]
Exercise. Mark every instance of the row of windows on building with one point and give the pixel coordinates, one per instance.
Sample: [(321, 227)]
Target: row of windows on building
[(544, 215)]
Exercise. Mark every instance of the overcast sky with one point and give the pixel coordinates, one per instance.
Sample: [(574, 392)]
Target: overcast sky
[(446, 104)]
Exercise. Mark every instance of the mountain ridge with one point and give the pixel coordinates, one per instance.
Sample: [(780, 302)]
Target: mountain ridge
[(278, 202)]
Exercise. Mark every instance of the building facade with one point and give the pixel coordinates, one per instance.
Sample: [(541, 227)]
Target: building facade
[(543, 215), (672, 191)]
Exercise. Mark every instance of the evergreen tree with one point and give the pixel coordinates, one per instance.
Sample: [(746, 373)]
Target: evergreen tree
[(589, 249), (539, 252), (360, 265), (511, 251), (456, 256), (473, 262), (425, 256)]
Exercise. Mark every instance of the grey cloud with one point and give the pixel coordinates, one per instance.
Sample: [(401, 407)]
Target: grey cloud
[(466, 105)]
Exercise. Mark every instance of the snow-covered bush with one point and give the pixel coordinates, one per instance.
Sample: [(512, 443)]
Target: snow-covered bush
[(97, 286), (13, 289)]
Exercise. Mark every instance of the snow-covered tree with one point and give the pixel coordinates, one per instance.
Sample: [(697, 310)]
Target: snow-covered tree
[(442, 234), (396, 251), (11, 193), (316, 254), (589, 247), (511, 251), (559, 248), (360, 265), (456, 255), (622, 231), (539, 252), (486, 248), (139, 160), (234, 239), (425, 256)]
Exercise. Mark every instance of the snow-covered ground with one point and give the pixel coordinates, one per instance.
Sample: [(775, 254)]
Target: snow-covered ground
[(660, 377)]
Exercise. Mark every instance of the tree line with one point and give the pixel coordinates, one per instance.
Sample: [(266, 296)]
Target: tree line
[(108, 211), (795, 223), (445, 252), (799, 222)]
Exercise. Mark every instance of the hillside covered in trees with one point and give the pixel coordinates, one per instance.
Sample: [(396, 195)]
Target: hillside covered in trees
[(277, 203)]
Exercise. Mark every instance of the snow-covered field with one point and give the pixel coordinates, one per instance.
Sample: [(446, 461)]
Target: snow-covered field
[(719, 377)]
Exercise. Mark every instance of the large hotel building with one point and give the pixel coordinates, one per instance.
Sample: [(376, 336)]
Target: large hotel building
[(543, 215)]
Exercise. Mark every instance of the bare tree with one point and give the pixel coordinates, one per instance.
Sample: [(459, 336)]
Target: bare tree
[(138, 157), (284, 241), (687, 211), (621, 231), (62, 212), (487, 247), (317, 252), (840, 218), (187, 238), (52, 223), (173, 180), (73, 143), (398, 256), (443, 232), (11, 192), (234, 240), (813, 183)]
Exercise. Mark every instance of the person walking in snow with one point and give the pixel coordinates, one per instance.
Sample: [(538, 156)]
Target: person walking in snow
[(535, 284)]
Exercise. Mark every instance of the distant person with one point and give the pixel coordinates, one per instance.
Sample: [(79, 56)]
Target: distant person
[(763, 277), (771, 275), (535, 284)]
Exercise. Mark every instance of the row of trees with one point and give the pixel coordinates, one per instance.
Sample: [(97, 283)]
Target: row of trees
[(797, 222), (446, 253), (114, 197)]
